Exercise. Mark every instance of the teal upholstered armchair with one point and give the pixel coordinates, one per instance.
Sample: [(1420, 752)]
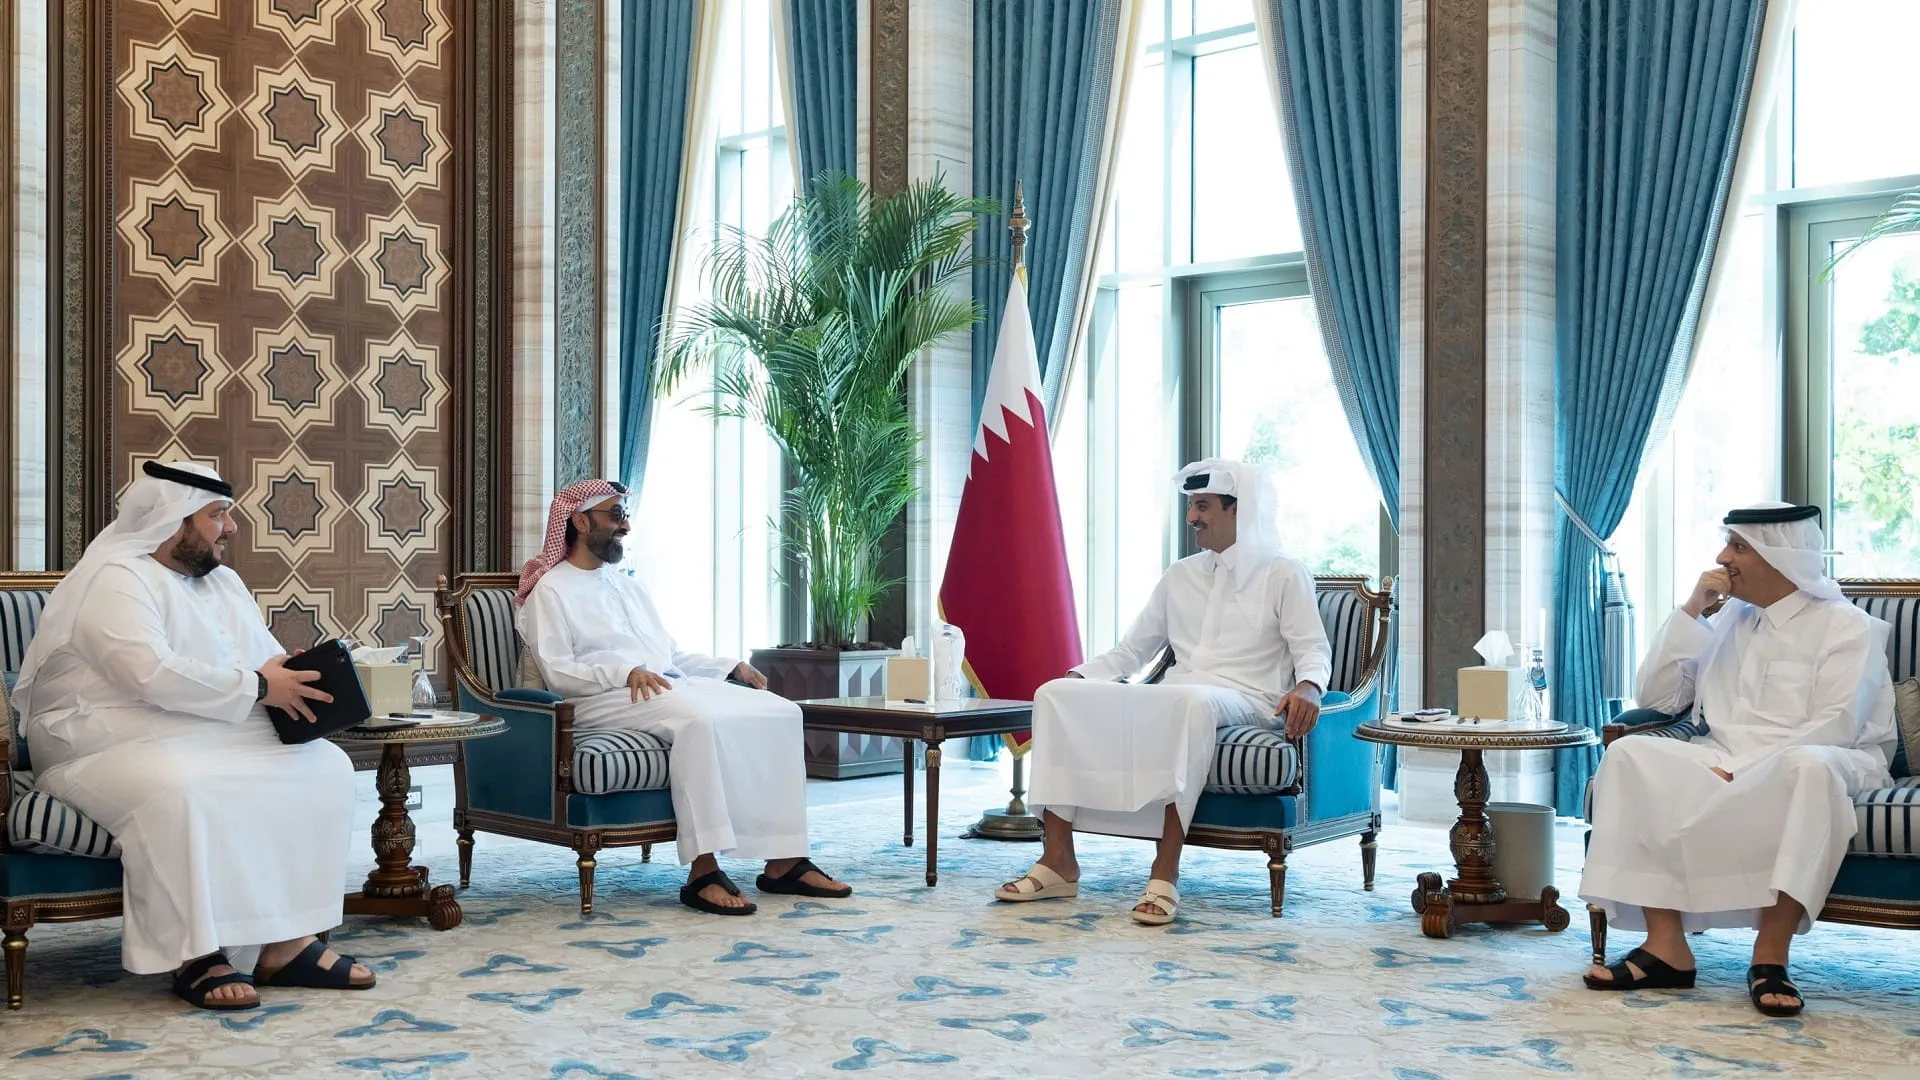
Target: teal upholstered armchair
[(55, 865), (1268, 793), (1879, 880), (538, 780)]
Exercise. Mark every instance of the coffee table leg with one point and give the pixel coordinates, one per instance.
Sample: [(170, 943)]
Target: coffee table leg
[(906, 773), (396, 887), (933, 812)]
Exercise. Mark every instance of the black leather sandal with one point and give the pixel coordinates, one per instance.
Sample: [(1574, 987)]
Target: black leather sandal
[(791, 884), (1763, 979), (192, 985), (304, 971), (690, 895), (1656, 974)]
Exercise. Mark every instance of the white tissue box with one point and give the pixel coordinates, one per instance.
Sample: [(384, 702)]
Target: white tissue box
[(389, 687), (910, 677), (1493, 693)]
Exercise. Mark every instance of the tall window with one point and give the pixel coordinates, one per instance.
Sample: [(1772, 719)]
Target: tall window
[(1804, 384), (1204, 338), (704, 540)]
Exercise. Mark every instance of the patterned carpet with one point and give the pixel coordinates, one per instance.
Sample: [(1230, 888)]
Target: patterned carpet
[(906, 981)]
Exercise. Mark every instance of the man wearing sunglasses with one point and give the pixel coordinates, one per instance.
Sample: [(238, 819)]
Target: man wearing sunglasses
[(735, 765)]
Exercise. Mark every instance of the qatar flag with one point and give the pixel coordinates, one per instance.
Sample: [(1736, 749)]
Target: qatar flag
[(1006, 585)]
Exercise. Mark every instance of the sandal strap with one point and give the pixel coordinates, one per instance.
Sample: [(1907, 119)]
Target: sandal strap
[(1043, 877), (197, 970), (1770, 979), (802, 868), (716, 877)]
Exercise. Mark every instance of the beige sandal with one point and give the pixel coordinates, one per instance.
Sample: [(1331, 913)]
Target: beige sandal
[(1159, 894), (1047, 885)]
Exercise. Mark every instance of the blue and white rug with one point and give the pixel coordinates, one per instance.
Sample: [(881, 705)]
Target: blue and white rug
[(907, 981)]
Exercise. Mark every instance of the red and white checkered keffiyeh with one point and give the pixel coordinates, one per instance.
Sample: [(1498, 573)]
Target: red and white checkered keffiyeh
[(565, 504)]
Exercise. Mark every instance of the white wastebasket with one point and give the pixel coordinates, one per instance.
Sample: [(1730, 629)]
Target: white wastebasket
[(1523, 847)]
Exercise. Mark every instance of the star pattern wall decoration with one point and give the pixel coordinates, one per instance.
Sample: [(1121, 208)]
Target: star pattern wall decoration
[(403, 262), (300, 22), (293, 118), (403, 140), (401, 508), (408, 32), (173, 232), (299, 615), (181, 10), (397, 613), (291, 505), (172, 367), (402, 386), (173, 96), (295, 250), (292, 376)]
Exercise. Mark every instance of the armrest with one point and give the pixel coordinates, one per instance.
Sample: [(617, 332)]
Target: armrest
[(1342, 773), (530, 696), (6, 788), (1610, 732), (512, 772)]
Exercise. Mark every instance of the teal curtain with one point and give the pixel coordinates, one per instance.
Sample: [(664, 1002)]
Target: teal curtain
[(656, 80), (1338, 66), (1652, 98), (823, 53), (1042, 77)]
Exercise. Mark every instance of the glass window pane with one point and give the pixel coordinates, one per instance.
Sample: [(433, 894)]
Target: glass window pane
[(1852, 91), (1278, 407), (1876, 412), (1242, 195), (1143, 497), (1211, 15), (756, 92), (1139, 210)]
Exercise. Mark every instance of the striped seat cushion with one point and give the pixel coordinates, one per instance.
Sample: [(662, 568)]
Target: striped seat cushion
[(19, 615), (1889, 820), (36, 821), (1252, 761), (606, 761), (493, 645), (1344, 613)]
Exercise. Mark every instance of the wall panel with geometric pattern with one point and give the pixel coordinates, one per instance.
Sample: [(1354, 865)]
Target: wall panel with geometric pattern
[(296, 286)]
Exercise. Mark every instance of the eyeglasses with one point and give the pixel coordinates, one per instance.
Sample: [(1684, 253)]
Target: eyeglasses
[(615, 514)]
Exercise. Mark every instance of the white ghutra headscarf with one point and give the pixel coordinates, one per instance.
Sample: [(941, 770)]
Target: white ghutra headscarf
[(1257, 528), (150, 513), (1789, 538)]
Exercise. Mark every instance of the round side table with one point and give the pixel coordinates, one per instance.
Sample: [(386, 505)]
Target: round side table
[(1474, 895), (396, 887)]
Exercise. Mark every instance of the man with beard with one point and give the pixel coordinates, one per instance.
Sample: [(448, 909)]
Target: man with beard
[(144, 694), (735, 758)]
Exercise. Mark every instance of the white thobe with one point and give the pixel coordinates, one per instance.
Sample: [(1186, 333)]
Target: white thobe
[(736, 758), (146, 722), (1799, 709), (1110, 758)]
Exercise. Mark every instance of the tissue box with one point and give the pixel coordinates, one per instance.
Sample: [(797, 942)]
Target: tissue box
[(1493, 693), (910, 677), (389, 687)]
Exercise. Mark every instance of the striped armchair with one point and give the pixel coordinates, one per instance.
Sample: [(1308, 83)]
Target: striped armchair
[(55, 864), (538, 780), (1879, 880), (1268, 793)]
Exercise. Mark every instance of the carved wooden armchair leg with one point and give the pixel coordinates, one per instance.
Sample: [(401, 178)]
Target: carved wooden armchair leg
[(1277, 871), (1597, 921), (586, 847), (646, 852), (16, 949), (1369, 849), (465, 843)]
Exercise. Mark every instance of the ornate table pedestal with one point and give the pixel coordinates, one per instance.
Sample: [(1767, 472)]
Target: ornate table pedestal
[(1474, 895), (396, 887)]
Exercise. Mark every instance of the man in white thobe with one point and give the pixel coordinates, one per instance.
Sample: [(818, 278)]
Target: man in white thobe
[(1746, 824), (735, 761), (1249, 649), (144, 693)]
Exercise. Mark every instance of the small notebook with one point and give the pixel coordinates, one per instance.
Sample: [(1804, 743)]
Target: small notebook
[(348, 707)]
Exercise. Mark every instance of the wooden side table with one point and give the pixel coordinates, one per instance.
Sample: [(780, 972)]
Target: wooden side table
[(395, 886), (930, 722), (1474, 895)]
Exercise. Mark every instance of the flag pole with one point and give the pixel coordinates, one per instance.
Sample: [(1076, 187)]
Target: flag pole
[(1014, 822)]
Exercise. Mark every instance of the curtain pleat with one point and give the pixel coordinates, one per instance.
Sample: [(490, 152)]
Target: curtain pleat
[(823, 54)]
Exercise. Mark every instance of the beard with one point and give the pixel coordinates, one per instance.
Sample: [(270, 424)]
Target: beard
[(195, 555), (605, 546)]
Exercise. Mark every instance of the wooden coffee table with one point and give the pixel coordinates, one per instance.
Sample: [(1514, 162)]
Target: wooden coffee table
[(932, 723), (1475, 895)]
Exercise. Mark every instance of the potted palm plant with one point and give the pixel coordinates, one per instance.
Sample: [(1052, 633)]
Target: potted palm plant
[(809, 332)]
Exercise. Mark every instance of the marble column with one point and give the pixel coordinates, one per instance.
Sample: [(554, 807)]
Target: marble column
[(23, 124), (533, 261)]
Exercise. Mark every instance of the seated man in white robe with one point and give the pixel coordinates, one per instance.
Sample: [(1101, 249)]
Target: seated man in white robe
[(1746, 824), (736, 757), (144, 694), (1249, 649)]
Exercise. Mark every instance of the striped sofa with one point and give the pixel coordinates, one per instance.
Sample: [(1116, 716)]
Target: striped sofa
[(539, 780), (1879, 881), (1268, 793), (55, 864)]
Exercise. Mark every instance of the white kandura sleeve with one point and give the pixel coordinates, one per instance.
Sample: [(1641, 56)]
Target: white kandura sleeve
[(121, 634), (1138, 647), (1298, 610), (1671, 669), (543, 628)]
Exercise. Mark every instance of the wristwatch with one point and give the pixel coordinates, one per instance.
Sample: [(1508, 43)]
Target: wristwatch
[(261, 693)]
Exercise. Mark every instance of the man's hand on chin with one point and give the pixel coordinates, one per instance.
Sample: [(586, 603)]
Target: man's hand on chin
[(1300, 709)]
